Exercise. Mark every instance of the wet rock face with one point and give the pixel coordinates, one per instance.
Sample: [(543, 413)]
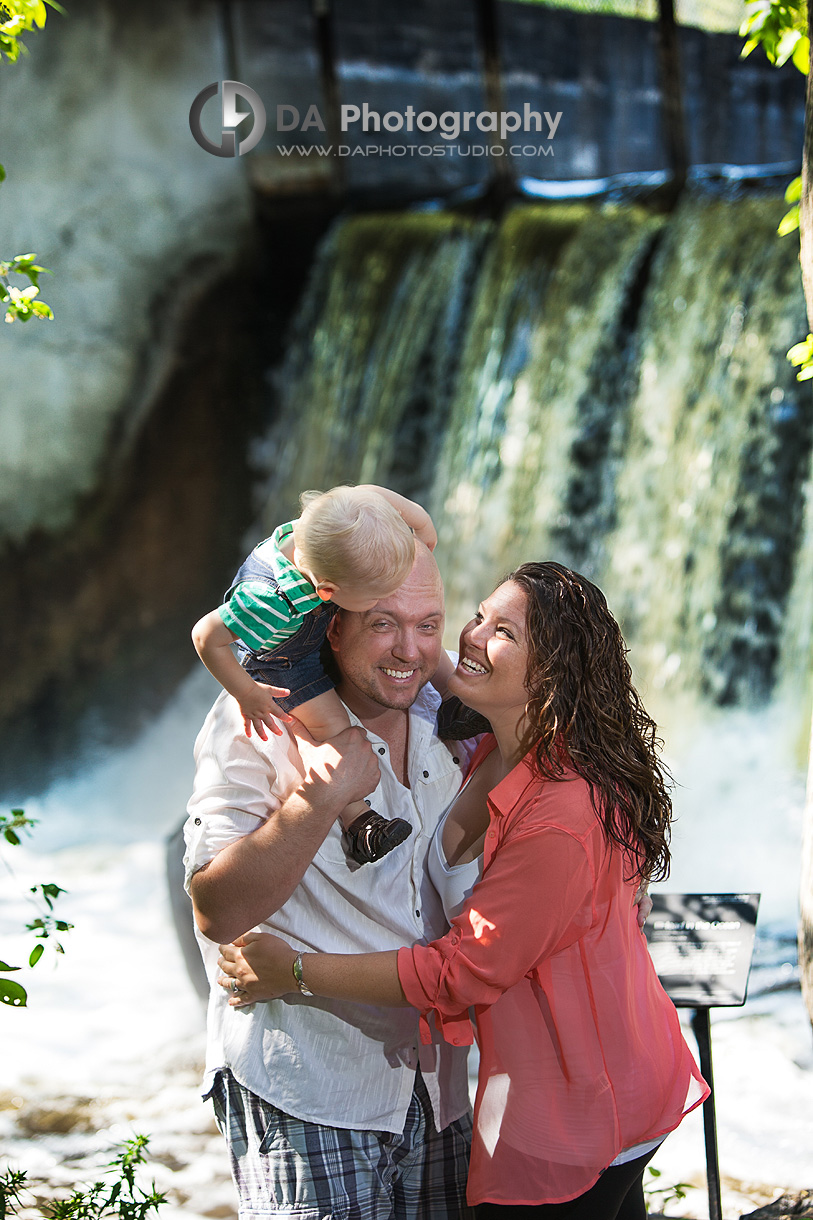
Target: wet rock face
[(98, 613), (107, 185), (788, 1207)]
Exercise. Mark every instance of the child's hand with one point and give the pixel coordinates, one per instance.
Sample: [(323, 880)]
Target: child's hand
[(259, 709)]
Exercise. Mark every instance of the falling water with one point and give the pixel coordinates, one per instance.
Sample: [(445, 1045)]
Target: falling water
[(600, 385), (609, 388)]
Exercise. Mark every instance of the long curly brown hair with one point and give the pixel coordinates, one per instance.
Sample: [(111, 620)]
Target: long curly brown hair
[(584, 712)]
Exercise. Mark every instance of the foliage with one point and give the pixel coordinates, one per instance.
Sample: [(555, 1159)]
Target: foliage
[(117, 1195), (793, 195), (801, 354), (44, 926), (21, 302), (662, 1195), (16, 18), (780, 28)]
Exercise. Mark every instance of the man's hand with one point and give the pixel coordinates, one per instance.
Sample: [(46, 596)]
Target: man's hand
[(338, 771), (258, 966), (256, 874)]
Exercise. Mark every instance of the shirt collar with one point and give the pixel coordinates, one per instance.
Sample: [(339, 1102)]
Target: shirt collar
[(423, 711), (509, 791), (291, 581)]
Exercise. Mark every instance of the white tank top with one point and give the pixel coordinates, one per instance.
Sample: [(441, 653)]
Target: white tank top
[(454, 882)]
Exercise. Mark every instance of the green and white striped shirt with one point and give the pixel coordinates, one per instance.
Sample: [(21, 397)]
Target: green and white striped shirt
[(258, 614)]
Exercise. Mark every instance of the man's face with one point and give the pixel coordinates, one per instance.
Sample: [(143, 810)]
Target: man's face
[(387, 654)]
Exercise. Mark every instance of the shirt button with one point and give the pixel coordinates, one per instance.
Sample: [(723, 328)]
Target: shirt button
[(418, 914), (197, 821), (456, 1041), (455, 760), (492, 834), (382, 750), (426, 775)]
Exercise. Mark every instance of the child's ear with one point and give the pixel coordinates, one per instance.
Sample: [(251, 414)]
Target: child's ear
[(325, 591)]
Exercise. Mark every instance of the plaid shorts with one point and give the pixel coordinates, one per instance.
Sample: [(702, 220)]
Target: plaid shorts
[(285, 1167)]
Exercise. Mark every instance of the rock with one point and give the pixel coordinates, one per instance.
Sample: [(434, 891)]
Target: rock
[(60, 1116), (787, 1207)]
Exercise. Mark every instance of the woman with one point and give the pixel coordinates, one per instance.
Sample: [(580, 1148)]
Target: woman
[(583, 1067)]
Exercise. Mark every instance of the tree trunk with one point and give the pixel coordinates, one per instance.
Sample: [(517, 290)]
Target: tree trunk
[(806, 258)]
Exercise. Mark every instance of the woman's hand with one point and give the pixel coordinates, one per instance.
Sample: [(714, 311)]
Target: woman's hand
[(644, 904), (258, 966)]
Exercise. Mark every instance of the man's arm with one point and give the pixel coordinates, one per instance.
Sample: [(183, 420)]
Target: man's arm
[(252, 877)]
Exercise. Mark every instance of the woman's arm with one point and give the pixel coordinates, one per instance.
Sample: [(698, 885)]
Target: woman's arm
[(263, 967), (493, 943)]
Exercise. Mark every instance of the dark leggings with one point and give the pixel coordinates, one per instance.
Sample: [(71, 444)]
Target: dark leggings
[(617, 1195)]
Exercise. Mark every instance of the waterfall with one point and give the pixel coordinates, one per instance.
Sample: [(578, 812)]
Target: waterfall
[(607, 387), (598, 385)]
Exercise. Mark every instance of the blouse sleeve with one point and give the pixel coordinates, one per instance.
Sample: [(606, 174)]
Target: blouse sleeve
[(535, 899)]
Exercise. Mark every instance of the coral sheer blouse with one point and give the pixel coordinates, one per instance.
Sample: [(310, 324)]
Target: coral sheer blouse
[(581, 1052)]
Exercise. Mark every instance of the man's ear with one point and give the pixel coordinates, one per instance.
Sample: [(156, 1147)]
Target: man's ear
[(333, 629)]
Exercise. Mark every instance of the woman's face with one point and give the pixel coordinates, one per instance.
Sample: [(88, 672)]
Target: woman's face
[(490, 675)]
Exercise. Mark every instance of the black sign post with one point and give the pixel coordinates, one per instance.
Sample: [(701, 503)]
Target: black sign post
[(701, 946)]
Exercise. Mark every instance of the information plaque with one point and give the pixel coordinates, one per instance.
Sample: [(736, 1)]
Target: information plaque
[(701, 946)]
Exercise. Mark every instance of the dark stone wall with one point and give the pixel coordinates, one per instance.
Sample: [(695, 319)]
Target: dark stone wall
[(600, 71)]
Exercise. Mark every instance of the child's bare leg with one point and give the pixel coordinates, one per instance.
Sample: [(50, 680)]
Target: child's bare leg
[(324, 717), (369, 835)]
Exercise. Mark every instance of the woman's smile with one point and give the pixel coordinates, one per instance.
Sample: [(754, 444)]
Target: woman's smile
[(472, 666)]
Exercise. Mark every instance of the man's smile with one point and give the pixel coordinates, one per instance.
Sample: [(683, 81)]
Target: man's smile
[(397, 673)]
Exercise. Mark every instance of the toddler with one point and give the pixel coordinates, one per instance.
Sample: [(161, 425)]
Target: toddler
[(350, 547)]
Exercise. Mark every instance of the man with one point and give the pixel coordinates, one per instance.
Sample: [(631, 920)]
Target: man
[(333, 1110)]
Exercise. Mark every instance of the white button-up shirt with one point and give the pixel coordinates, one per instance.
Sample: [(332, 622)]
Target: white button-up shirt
[(332, 1062)]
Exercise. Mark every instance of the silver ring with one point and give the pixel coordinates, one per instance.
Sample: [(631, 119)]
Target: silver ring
[(233, 987)]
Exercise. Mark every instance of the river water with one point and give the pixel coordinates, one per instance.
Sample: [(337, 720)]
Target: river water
[(112, 1041)]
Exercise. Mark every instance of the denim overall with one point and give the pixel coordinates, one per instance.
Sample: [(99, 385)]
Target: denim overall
[(295, 662)]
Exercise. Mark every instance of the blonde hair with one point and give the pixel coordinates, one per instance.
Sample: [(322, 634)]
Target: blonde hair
[(355, 539)]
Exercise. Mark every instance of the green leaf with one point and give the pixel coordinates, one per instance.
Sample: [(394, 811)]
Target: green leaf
[(5, 966), (789, 222), (806, 373), (2, 174), (12, 993), (801, 351), (11, 837), (801, 56), (793, 192), (36, 954), (786, 46)]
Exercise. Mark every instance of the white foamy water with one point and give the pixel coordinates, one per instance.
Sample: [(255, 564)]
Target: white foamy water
[(112, 1040)]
